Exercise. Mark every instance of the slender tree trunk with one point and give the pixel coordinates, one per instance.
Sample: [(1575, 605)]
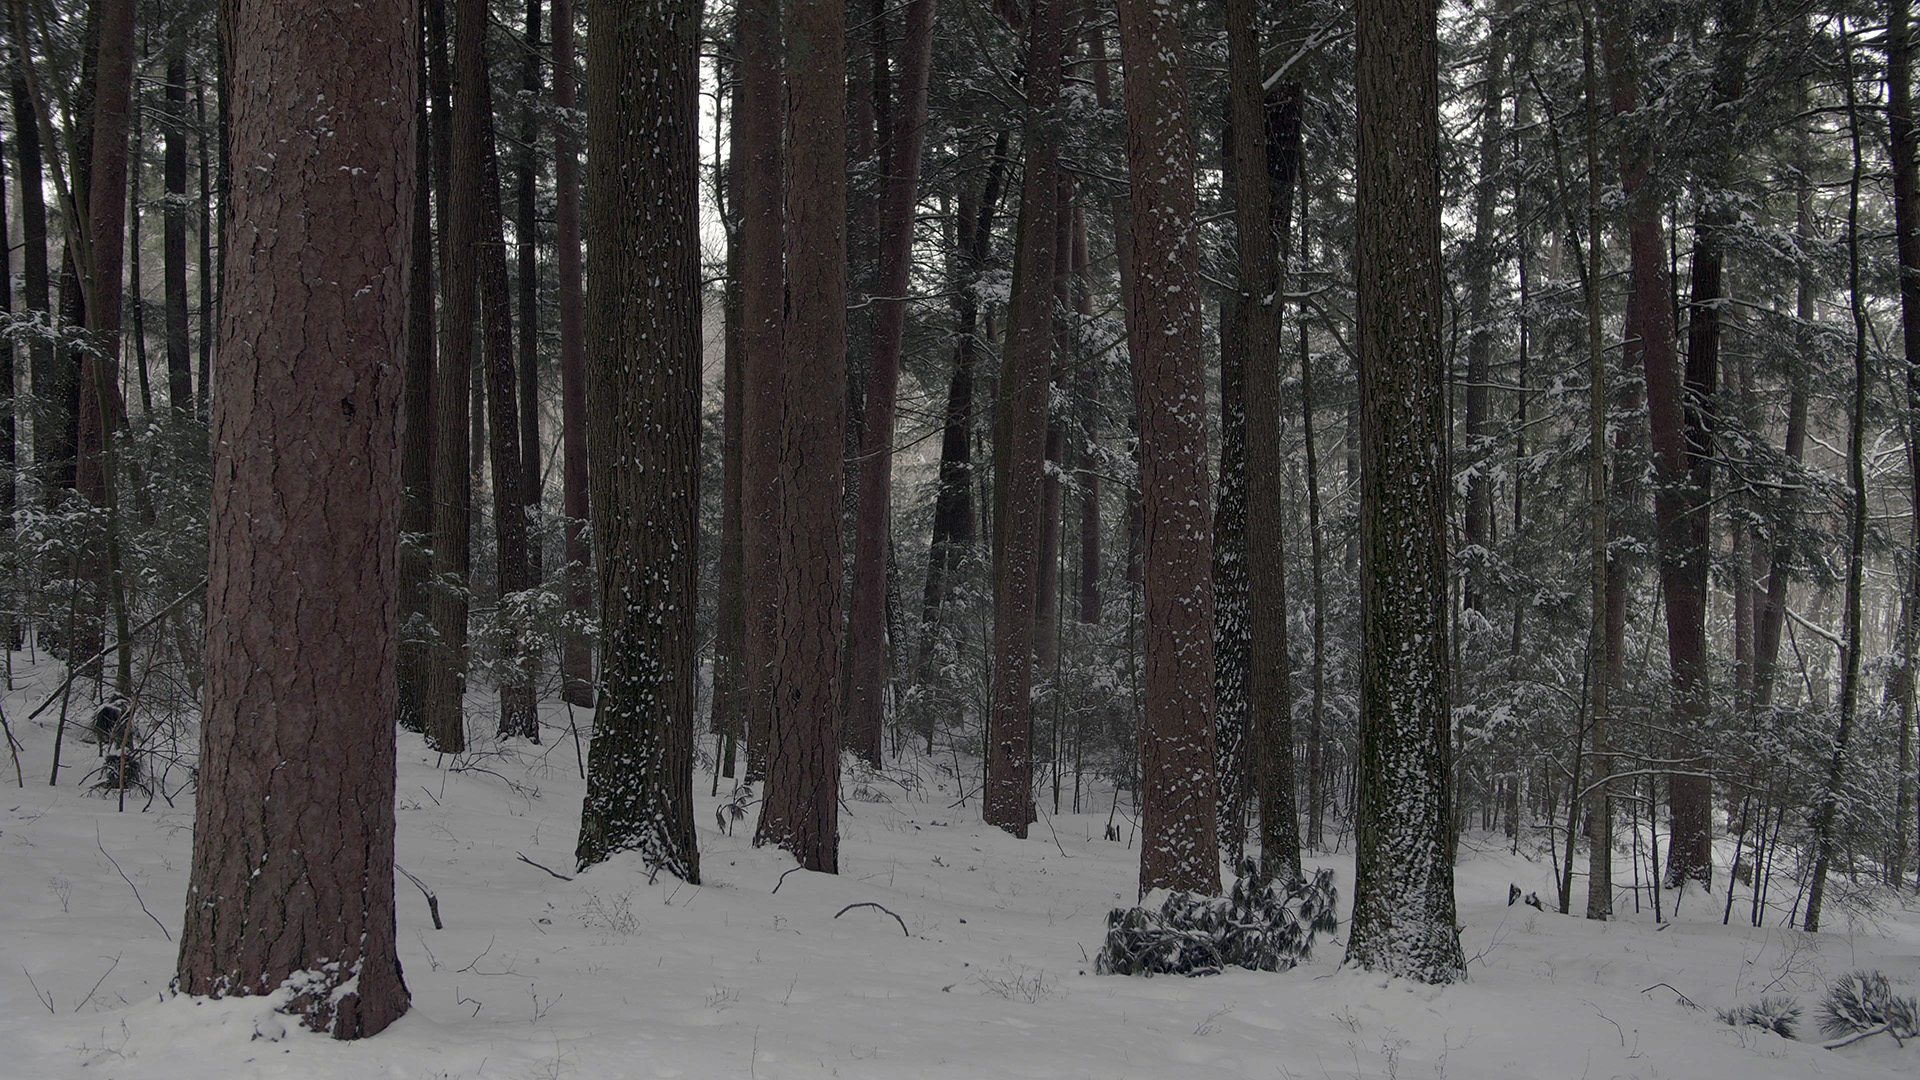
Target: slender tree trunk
[(310, 357), (1826, 810), (1020, 432), (1906, 215), (1403, 880), (526, 231), (866, 638), (1599, 803), (801, 810), (576, 653), (46, 401), (204, 386), (757, 37), (1481, 334), (1178, 834), (416, 445), (453, 427), (1232, 637), (179, 346), (517, 707), (644, 307), (135, 304), (729, 676), (1087, 398)]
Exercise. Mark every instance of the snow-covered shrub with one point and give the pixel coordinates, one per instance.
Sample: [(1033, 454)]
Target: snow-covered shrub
[(1775, 1014), (1254, 927), (1862, 1001)]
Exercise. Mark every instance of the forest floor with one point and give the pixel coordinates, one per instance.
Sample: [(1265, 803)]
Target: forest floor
[(608, 975)]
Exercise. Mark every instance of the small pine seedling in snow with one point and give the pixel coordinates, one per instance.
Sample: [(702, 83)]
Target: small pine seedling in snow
[(1775, 1014), (1260, 928), (1863, 1001)]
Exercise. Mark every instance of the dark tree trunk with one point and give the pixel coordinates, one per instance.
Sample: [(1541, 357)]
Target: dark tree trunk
[(204, 387), (179, 345), (136, 307), (729, 676), (1232, 640), (517, 712), (576, 653), (293, 831), (643, 306), (1906, 216), (416, 445), (1403, 920), (762, 357), (801, 809), (1020, 432), (1087, 400), (453, 427), (526, 232), (1481, 336), (866, 639), (1177, 784)]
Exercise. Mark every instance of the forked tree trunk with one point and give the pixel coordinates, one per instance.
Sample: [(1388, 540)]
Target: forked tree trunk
[(310, 370), (643, 307), (1177, 782), (801, 810), (1403, 921)]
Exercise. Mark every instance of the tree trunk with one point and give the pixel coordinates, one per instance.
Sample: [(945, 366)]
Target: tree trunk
[(1020, 433), (1598, 677), (46, 401), (453, 427), (801, 809), (576, 653), (292, 879), (1177, 783), (866, 638), (517, 708), (1403, 920), (643, 306), (204, 390), (416, 445), (1826, 810), (1087, 400), (1906, 216), (179, 355), (526, 232), (1481, 335), (1232, 641)]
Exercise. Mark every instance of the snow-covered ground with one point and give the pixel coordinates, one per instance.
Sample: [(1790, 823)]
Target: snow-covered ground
[(609, 976)]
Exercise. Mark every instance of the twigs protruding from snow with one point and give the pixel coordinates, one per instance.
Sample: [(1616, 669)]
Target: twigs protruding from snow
[(536, 865), (433, 902), (871, 904), (123, 877), (783, 877)]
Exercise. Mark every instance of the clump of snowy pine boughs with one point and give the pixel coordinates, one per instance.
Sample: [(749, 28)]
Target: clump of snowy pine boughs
[(1261, 928), (1864, 1001), (1775, 1014)]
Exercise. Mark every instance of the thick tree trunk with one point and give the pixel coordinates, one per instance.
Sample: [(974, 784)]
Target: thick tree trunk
[(1906, 217), (292, 880), (866, 637), (576, 653), (1177, 783), (1403, 879), (1231, 638), (1020, 426), (801, 810), (179, 345), (643, 306), (757, 36)]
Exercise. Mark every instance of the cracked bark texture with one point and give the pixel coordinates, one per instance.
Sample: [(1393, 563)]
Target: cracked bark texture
[(1177, 778), (292, 879), (1403, 922)]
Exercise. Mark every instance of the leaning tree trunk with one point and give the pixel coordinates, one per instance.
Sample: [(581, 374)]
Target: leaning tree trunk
[(1179, 827), (801, 809), (1403, 905), (292, 878), (643, 310)]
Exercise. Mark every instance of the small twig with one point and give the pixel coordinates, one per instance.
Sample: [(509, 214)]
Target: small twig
[(433, 902), (1610, 1020), (1056, 836), (1857, 1036), (74, 670), (783, 877), (42, 998), (531, 863), (123, 877), (430, 794), (97, 982), (871, 904), (1684, 999)]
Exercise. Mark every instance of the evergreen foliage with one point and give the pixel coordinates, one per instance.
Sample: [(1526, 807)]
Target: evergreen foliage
[(1778, 1014), (1863, 1001), (1260, 928)]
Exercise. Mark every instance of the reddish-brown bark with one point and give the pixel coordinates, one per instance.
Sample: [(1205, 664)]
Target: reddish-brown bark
[(292, 880)]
